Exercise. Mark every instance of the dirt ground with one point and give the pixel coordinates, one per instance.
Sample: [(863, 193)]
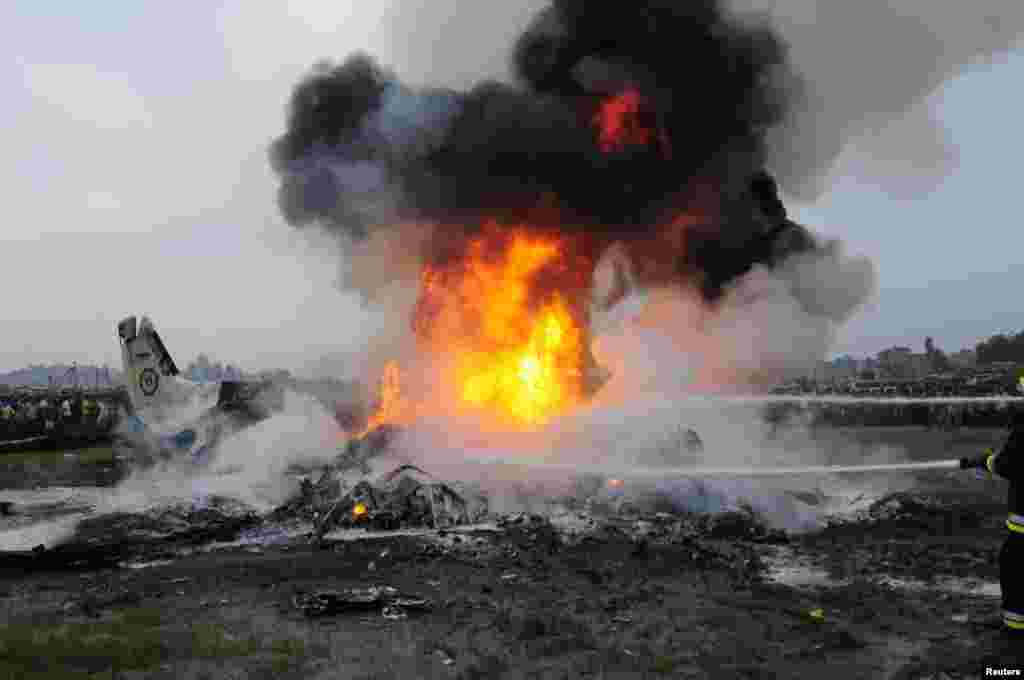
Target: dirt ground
[(904, 591)]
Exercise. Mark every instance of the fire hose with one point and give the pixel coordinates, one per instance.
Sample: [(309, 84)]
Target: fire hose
[(629, 471)]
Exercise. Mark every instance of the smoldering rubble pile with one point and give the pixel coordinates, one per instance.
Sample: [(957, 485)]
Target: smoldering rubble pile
[(449, 521), (343, 496), (345, 503), (408, 514)]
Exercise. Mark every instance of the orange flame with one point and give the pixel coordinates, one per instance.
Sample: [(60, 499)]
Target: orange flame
[(392, 404), (515, 354), (621, 123)]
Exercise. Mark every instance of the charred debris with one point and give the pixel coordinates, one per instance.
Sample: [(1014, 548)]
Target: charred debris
[(344, 504)]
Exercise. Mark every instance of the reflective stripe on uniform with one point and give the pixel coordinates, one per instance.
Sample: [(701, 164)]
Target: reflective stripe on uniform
[(1015, 523), (1013, 620), (989, 460)]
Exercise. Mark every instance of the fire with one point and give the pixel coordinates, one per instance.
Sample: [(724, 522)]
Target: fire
[(516, 352), (513, 348), (622, 122), (392, 405)]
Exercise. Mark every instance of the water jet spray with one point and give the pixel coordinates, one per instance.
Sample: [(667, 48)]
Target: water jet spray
[(661, 473)]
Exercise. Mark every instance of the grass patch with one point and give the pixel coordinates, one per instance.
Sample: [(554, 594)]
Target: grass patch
[(212, 641), (287, 654), (663, 664), (97, 455), (102, 454), (132, 640), (129, 641)]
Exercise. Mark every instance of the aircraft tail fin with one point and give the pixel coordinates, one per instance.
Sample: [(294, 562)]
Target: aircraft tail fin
[(149, 369)]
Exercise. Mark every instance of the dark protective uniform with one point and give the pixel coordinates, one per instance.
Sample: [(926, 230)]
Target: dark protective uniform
[(1008, 463)]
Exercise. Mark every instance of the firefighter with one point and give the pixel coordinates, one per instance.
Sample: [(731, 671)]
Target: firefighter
[(32, 417), (47, 414), (102, 415), (6, 419), (88, 410), (1008, 463)]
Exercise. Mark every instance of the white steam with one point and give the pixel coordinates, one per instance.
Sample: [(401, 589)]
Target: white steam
[(531, 471), (664, 349), (249, 466), (770, 325)]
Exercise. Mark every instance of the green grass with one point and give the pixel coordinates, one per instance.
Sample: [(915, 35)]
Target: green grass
[(286, 654), (130, 640), (102, 454), (212, 641), (663, 664)]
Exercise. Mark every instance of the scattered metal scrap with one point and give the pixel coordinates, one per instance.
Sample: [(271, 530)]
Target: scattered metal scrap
[(407, 496), (392, 603)]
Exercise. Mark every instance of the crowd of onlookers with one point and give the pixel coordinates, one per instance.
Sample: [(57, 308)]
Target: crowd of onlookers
[(34, 415), (945, 415)]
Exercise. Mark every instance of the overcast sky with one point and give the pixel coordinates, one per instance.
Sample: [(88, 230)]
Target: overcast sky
[(136, 182)]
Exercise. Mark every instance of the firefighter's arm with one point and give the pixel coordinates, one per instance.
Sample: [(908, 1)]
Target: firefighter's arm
[(1007, 461)]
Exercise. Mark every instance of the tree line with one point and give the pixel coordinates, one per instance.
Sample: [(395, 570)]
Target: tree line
[(1001, 347)]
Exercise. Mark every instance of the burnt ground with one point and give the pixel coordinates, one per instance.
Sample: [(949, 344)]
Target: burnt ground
[(882, 594)]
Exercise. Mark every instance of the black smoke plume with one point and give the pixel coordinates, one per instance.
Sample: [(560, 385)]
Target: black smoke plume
[(363, 151)]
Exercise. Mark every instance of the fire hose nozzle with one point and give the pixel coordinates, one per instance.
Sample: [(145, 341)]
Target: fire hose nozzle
[(976, 463)]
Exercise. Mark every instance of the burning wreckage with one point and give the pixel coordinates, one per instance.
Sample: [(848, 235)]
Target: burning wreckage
[(525, 215), (407, 496), (528, 215)]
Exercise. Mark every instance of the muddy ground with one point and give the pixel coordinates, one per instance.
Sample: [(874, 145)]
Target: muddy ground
[(902, 589)]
